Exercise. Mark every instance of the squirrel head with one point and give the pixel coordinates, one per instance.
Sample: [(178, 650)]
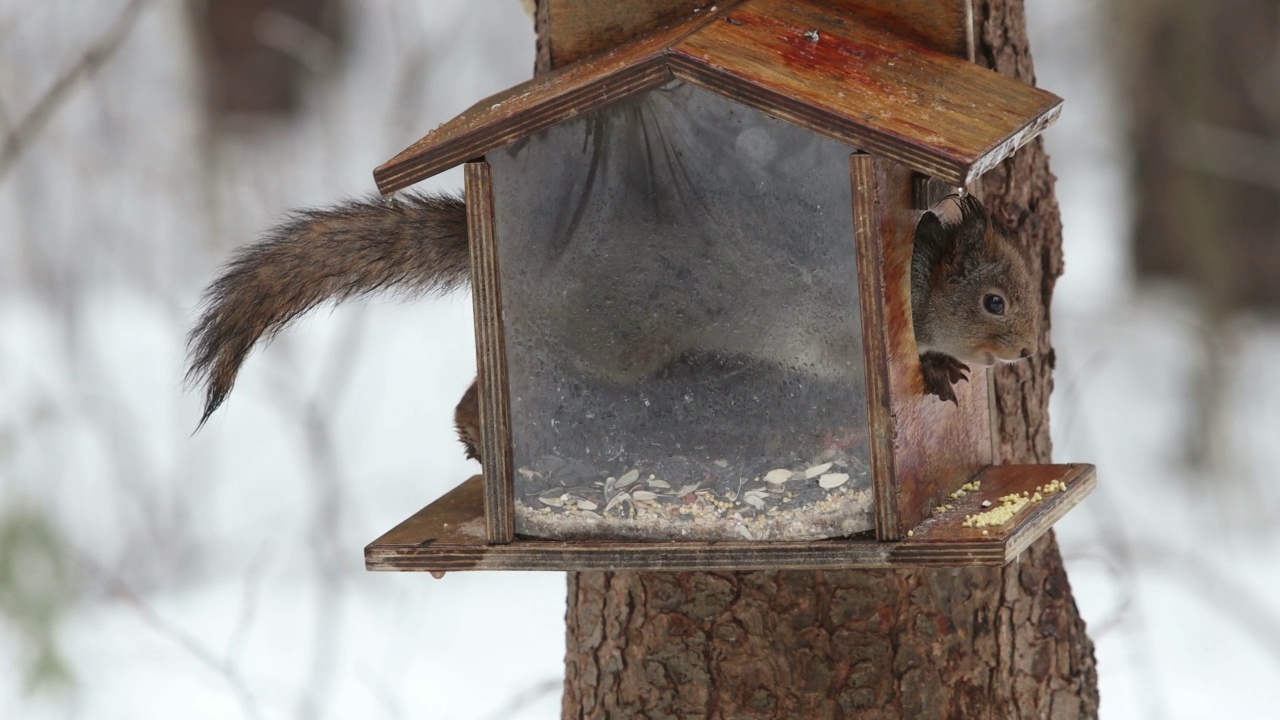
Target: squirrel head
[(973, 297)]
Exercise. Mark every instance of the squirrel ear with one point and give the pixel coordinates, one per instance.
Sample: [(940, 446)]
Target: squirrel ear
[(931, 236), (971, 231)]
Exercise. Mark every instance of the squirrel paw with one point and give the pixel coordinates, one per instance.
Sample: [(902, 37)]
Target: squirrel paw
[(940, 373), (466, 420)]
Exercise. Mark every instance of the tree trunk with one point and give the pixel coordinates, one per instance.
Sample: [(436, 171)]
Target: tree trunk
[(955, 643), (257, 55), (1204, 125)]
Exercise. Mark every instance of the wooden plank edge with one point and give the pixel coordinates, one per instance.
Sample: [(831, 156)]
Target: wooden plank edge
[(970, 32), (1001, 151), (536, 555), (870, 263), (1052, 509), (1027, 527), (409, 168), (848, 553), (650, 70), (539, 556), (491, 365)]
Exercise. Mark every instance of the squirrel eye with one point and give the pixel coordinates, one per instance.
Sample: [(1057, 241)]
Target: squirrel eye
[(993, 304)]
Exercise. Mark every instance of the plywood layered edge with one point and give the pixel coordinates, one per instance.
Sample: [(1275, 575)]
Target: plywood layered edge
[(871, 292), (491, 358), (797, 60), (449, 536), (491, 125)]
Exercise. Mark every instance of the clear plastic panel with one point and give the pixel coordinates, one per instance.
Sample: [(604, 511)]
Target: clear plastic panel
[(683, 338)]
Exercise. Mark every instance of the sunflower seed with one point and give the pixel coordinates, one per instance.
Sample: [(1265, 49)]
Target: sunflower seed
[(778, 476), (617, 499), (816, 470), (833, 480)]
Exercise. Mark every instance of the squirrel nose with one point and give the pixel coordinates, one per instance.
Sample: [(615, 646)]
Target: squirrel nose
[(1026, 353)]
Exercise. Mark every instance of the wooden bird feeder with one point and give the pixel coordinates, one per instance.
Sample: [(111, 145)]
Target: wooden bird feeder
[(690, 263)]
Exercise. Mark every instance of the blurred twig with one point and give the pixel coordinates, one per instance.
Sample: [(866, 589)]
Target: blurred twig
[(526, 697), (117, 588), (29, 126), (315, 413), (1098, 628), (1117, 546), (248, 605), (327, 518)]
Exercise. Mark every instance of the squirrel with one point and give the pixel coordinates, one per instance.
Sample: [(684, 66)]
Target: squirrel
[(972, 297), (415, 245)]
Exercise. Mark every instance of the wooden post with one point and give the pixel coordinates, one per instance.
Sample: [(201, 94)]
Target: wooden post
[(955, 643)]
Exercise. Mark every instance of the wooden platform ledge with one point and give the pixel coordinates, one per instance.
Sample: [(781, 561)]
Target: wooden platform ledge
[(448, 535)]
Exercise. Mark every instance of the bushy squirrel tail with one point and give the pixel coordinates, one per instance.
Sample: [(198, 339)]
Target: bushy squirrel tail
[(416, 244)]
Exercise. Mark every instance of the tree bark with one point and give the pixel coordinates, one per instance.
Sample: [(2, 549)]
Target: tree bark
[(954, 643)]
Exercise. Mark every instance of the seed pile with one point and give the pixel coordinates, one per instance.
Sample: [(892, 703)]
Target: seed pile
[(965, 489), (1010, 505), (827, 497)]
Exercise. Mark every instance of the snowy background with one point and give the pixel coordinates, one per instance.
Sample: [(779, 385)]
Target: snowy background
[(149, 573)]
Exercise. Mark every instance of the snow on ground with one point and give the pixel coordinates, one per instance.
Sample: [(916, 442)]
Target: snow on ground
[(1178, 582), (406, 647), (220, 575)]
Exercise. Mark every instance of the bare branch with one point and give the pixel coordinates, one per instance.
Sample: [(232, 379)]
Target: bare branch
[(527, 697), (117, 588), (27, 128), (315, 413), (248, 605)]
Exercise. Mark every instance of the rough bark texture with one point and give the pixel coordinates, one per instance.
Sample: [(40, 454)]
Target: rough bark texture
[(962, 643), (875, 645)]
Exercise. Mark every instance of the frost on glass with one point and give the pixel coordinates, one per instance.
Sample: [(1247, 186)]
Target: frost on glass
[(679, 294)]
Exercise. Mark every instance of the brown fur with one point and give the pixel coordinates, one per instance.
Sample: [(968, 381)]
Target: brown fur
[(419, 245), (957, 263), (415, 245), (466, 421)]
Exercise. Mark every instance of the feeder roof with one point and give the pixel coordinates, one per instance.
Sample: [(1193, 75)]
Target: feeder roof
[(793, 59)]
